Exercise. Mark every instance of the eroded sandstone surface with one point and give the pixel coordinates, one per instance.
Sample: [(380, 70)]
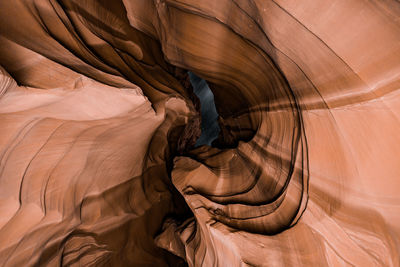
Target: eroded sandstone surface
[(99, 121)]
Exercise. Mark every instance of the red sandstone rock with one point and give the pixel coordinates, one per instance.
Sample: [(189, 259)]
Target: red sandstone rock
[(305, 172)]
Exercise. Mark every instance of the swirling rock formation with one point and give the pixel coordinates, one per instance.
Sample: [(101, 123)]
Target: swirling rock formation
[(98, 164)]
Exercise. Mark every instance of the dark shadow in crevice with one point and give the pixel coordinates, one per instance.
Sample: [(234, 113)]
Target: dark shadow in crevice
[(209, 115)]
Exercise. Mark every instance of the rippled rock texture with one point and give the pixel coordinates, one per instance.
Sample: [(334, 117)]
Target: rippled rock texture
[(99, 122)]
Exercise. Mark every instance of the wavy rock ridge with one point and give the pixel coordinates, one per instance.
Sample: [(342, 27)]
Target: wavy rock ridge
[(98, 164)]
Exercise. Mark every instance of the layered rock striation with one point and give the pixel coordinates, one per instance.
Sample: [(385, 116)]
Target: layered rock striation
[(98, 158)]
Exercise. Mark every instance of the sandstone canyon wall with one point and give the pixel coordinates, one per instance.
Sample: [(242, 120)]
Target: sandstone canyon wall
[(98, 119)]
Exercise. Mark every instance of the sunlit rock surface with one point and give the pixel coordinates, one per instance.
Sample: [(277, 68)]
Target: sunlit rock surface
[(99, 123)]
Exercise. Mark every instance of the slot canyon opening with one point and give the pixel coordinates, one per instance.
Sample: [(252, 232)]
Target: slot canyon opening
[(208, 112), (187, 133), (221, 120)]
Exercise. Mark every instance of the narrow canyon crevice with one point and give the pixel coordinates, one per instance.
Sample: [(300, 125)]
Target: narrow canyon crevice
[(199, 133), (209, 115)]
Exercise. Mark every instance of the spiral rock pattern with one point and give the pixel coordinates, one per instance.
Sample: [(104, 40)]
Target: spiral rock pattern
[(98, 162)]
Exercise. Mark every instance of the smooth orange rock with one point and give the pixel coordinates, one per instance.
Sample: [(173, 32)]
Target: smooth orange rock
[(97, 165)]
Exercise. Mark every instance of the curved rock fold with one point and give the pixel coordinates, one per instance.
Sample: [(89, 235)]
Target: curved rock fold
[(98, 158)]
